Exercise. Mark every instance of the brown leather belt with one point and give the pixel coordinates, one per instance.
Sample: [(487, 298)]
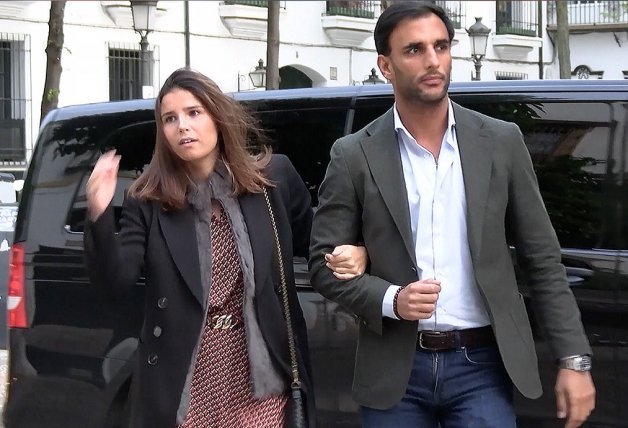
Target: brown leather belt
[(446, 340)]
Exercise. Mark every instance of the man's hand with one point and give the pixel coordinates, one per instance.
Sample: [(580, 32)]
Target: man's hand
[(575, 396), (417, 300)]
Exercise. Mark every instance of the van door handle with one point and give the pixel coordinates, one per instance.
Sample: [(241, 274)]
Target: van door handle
[(576, 276)]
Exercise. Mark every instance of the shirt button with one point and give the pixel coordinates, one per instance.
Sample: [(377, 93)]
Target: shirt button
[(152, 359), (157, 331), (162, 303)]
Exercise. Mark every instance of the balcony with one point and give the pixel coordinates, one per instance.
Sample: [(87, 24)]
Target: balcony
[(454, 10), (349, 23), (516, 32), (356, 9), (591, 16), (245, 18), (255, 3), (14, 9), (517, 18)]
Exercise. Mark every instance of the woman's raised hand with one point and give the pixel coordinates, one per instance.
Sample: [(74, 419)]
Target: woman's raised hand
[(101, 185), (347, 261)]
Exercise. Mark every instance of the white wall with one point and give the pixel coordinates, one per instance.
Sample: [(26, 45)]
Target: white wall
[(91, 25)]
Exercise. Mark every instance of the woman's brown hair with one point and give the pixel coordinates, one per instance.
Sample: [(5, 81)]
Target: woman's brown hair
[(167, 179)]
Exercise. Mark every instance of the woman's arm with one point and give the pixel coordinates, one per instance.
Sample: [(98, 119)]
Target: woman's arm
[(114, 261)]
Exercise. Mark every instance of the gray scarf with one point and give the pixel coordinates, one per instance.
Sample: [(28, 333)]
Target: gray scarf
[(265, 380)]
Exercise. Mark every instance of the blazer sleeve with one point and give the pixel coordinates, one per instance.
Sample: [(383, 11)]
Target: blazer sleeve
[(114, 261), (538, 253), (338, 220)]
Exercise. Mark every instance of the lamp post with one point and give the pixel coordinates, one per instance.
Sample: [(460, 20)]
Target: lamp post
[(258, 75), (144, 23), (373, 78), (478, 35)]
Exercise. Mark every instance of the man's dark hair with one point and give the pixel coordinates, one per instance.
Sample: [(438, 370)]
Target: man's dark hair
[(399, 11)]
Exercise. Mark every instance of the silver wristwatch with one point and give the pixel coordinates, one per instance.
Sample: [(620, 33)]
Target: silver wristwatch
[(579, 363)]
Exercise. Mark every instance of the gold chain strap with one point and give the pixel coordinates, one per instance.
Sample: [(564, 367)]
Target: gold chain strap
[(284, 295)]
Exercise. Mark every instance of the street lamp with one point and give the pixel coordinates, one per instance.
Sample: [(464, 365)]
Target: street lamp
[(478, 35), (258, 76), (373, 79), (144, 23)]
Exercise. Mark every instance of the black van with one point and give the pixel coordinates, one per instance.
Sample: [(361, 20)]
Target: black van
[(71, 349)]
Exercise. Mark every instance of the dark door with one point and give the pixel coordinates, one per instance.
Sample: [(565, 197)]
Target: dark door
[(575, 148)]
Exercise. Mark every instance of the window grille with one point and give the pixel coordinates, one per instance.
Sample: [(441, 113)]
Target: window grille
[(510, 75), (14, 102), (125, 71)]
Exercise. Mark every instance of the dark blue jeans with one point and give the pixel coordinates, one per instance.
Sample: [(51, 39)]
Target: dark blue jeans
[(460, 388)]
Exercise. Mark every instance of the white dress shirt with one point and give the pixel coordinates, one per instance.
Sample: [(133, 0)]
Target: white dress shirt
[(438, 207)]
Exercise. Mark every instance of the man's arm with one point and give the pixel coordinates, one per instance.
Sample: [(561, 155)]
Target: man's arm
[(338, 221), (553, 303), (538, 252)]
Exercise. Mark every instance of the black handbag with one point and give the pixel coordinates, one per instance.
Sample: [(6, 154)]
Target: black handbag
[(295, 412)]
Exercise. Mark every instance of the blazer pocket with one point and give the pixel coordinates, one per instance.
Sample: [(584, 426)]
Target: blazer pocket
[(520, 318)]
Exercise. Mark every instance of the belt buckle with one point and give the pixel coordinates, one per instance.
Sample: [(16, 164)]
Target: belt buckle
[(435, 333)]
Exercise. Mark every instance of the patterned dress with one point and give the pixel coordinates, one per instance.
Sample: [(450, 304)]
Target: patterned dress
[(221, 394)]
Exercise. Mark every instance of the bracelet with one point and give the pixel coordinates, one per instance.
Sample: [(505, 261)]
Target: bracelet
[(394, 305)]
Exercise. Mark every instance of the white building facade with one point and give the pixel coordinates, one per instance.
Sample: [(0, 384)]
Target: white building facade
[(323, 43)]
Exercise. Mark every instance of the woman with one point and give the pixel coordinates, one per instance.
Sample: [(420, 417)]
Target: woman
[(213, 348)]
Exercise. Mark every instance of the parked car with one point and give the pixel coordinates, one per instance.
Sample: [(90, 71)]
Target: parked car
[(71, 350), (8, 215)]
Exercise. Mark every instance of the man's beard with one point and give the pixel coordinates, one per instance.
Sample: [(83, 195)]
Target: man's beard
[(418, 96)]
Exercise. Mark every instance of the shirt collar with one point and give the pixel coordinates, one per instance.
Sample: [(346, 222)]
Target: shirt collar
[(450, 135)]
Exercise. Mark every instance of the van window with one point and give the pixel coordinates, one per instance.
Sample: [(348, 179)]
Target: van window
[(575, 154), (570, 145), (369, 109), (305, 136), (134, 143)]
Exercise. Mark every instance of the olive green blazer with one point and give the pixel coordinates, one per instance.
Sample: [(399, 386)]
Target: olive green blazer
[(363, 198)]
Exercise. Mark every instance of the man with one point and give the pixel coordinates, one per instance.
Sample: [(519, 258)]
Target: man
[(431, 188)]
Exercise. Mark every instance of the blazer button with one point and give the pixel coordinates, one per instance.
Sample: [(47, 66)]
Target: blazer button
[(152, 359), (162, 303), (157, 331)]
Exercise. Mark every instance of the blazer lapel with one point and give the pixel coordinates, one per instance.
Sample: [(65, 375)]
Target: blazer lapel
[(476, 158), (179, 233), (384, 159)]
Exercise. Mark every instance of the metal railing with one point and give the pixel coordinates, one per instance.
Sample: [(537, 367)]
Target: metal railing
[(256, 3), (591, 13), (455, 11), (356, 9), (517, 17)]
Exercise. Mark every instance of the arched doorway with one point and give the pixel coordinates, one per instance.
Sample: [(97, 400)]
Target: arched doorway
[(290, 77)]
